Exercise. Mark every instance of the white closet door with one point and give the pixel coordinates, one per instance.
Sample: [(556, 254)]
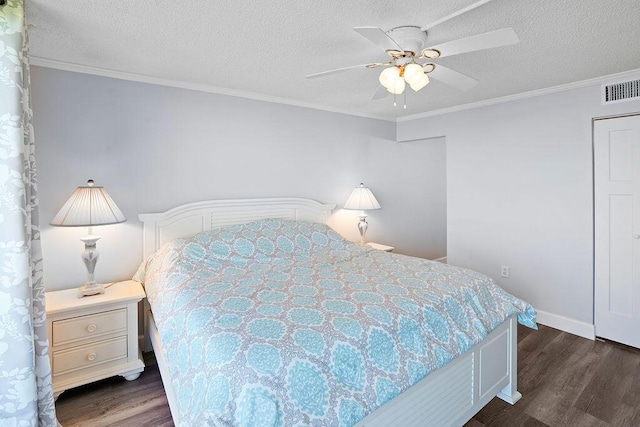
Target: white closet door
[(617, 229)]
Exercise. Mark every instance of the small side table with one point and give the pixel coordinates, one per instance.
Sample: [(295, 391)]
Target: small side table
[(94, 337), (380, 247)]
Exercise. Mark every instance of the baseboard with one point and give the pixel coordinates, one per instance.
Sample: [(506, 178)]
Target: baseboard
[(572, 326), (442, 260)]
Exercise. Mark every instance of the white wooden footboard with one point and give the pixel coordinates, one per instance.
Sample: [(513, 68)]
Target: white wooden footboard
[(448, 397), (453, 394)]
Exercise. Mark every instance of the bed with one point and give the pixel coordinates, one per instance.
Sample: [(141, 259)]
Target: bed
[(244, 253)]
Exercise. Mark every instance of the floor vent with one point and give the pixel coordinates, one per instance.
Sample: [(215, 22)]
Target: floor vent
[(620, 92)]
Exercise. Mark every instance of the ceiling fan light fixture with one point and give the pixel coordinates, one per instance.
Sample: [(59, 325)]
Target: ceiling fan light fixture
[(431, 53), (422, 81), (388, 77)]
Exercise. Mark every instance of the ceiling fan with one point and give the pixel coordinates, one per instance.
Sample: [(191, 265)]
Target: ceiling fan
[(411, 61)]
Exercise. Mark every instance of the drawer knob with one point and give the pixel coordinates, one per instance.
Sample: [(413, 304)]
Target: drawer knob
[(91, 357), (92, 328)]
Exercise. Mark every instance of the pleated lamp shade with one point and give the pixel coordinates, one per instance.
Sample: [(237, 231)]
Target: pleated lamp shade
[(362, 199), (88, 205)]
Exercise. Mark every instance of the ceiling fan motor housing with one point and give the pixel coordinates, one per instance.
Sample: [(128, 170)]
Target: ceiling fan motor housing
[(410, 38)]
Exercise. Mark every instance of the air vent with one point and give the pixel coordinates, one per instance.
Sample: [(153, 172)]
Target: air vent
[(620, 92)]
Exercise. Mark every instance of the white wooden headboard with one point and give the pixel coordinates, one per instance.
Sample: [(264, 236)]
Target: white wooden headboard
[(193, 218)]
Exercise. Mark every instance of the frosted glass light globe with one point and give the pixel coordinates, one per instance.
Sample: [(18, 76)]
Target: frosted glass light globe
[(388, 76), (413, 73), (422, 81), (397, 87)]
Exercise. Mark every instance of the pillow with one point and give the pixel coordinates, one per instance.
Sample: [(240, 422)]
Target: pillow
[(257, 241), (269, 237)]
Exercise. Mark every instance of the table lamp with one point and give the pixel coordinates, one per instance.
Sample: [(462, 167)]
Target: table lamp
[(362, 199), (89, 205)]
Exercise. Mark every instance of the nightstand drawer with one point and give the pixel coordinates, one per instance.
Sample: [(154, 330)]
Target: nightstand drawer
[(93, 325), (86, 356)]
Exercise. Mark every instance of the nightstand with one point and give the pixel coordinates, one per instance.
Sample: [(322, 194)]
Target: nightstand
[(94, 337), (380, 247)]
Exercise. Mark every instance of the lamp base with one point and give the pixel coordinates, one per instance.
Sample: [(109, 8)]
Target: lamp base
[(363, 225), (90, 258), (89, 289)]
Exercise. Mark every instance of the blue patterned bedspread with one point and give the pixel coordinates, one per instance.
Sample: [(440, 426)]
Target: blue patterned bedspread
[(286, 323)]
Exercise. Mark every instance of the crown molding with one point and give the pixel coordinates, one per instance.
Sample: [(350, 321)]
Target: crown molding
[(524, 95), (141, 78)]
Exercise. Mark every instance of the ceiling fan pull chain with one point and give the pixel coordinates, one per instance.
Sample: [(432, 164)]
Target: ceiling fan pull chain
[(394, 99), (405, 99)]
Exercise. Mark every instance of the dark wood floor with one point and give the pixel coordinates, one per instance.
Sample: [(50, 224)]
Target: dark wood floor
[(565, 381), (117, 402)]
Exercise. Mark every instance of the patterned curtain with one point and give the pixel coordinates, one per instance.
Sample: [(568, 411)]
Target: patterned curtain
[(26, 395)]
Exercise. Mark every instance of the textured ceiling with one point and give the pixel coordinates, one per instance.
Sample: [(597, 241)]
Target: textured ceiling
[(267, 48)]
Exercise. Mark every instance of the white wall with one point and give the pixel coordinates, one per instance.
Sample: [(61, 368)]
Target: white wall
[(155, 147), (409, 181), (519, 189)]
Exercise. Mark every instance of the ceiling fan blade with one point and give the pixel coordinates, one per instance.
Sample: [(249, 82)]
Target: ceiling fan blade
[(378, 37), (453, 78), (455, 14), (340, 70), (498, 38), (381, 92)]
